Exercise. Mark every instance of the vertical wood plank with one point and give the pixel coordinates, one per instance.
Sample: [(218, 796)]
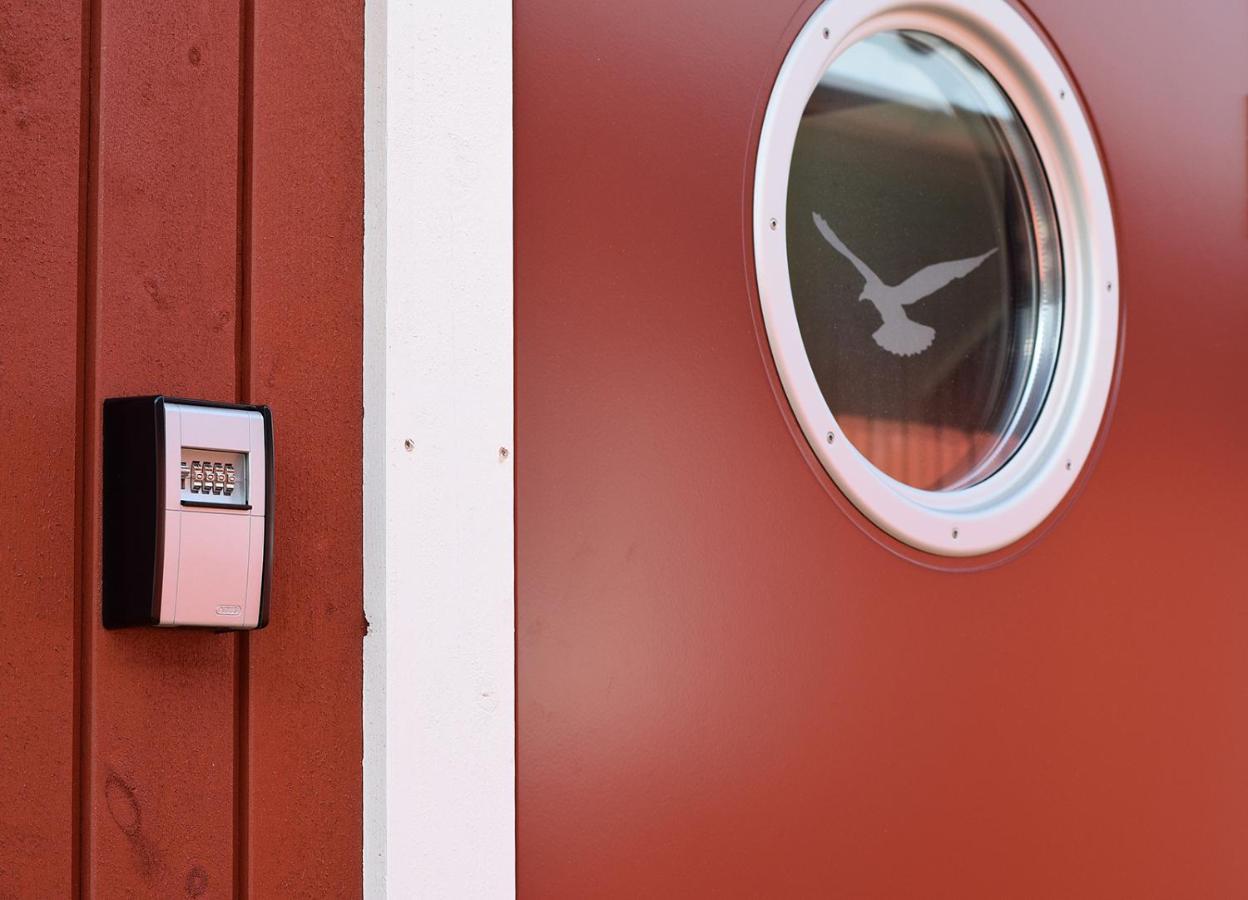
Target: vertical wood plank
[(304, 730), (40, 139), (158, 792)]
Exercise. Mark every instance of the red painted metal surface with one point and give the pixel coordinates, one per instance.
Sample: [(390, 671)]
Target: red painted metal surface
[(40, 137), (727, 685), (153, 243)]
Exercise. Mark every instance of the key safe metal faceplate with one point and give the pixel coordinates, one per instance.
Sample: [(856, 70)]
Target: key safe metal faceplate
[(188, 526)]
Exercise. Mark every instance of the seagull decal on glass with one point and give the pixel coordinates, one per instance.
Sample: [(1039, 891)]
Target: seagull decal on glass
[(900, 334)]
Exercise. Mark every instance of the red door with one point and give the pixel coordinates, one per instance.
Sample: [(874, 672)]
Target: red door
[(728, 682)]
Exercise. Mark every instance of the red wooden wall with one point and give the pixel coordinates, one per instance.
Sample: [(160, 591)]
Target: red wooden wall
[(182, 214), (728, 682)]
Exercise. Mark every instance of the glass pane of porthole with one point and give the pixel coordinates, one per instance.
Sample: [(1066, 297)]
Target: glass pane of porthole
[(923, 260)]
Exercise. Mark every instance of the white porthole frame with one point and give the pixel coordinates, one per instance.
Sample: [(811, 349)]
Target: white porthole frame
[(1013, 501)]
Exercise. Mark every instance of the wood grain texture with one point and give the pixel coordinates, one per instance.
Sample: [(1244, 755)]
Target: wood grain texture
[(134, 761), (306, 280), (728, 683), (40, 137), (160, 704)]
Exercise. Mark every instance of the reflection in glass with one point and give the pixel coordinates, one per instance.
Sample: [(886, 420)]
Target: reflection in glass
[(923, 259)]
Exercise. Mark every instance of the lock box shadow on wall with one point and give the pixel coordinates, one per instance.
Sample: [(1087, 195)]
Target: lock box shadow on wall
[(188, 501)]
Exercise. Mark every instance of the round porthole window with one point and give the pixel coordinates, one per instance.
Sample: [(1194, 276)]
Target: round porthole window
[(936, 265)]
